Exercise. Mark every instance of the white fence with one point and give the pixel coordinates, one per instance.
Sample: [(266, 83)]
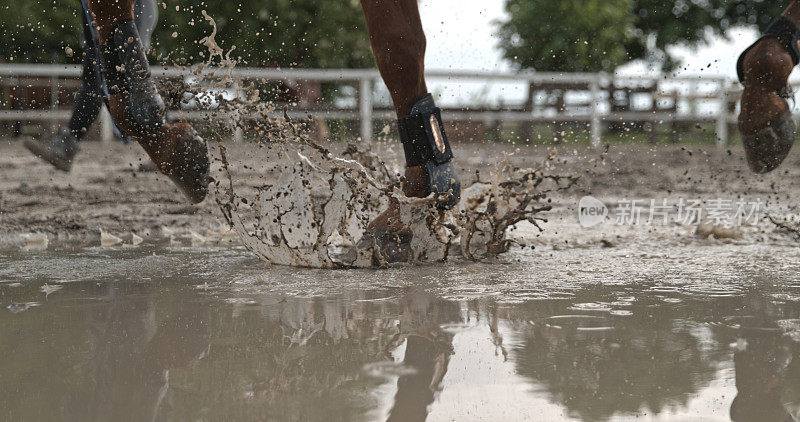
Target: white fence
[(694, 99)]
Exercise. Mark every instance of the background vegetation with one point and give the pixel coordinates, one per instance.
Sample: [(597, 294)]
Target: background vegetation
[(548, 35), (599, 35), (297, 33)]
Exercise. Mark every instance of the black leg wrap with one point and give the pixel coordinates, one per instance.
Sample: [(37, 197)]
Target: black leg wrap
[(784, 31), (127, 71), (425, 144)]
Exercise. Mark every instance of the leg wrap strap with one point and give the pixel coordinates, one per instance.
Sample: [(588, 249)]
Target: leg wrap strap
[(127, 72), (425, 144), (784, 31)]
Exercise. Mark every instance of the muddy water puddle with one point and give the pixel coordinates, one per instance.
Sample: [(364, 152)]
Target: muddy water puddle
[(698, 333)]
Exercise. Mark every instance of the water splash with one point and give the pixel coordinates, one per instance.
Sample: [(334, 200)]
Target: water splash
[(316, 212)]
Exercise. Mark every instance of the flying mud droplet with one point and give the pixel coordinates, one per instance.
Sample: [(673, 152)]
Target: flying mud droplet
[(307, 206)]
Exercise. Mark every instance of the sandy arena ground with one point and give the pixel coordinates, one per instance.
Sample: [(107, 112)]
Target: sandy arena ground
[(107, 191), (613, 322)]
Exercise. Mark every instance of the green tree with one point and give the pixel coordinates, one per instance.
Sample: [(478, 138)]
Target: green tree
[(39, 30), (291, 33), (691, 22), (567, 35)]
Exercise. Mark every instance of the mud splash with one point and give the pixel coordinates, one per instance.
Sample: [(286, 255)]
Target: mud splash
[(317, 211)]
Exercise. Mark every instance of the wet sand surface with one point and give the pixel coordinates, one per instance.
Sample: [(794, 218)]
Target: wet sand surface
[(610, 322), (664, 333), (107, 191)]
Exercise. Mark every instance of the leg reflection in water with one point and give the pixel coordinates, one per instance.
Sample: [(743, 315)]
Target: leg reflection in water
[(428, 350), (763, 360)]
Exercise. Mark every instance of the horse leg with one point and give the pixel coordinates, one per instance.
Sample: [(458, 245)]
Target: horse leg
[(765, 120), (398, 42), (136, 106), (61, 151)]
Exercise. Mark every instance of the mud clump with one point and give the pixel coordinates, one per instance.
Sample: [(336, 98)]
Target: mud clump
[(317, 213)]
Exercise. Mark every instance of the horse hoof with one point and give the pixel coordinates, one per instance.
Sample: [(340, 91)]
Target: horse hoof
[(182, 154), (191, 167), (387, 238), (767, 148)]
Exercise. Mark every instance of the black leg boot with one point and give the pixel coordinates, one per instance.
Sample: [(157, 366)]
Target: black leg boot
[(58, 152)]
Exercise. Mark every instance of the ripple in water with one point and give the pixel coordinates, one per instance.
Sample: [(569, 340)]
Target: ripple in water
[(578, 323)]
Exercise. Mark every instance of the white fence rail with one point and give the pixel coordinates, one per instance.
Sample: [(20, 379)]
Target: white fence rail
[(695, 99)]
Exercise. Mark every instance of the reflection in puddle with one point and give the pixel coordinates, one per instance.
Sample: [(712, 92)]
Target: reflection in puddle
[(145, 342)]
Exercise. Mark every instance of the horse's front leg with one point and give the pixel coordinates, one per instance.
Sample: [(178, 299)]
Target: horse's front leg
[(398, 42), (765, 120), (136, 106)]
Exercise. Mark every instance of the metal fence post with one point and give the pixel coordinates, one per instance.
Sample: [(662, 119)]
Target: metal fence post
[(722, 115), (365, 108), (595, 131), (53, 102), (106, 128)]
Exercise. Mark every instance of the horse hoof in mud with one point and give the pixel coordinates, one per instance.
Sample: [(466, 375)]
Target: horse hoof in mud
[(765, 120), (182, 155), (429, 158), (388, 237), (429, 170)]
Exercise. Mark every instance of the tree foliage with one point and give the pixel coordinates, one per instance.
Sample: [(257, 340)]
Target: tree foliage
[(567, 35), (39, 30), (291, 33), (554, 35), (557, 35), (691, 22)]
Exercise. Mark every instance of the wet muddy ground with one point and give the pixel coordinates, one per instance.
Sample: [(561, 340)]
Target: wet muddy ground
[(664, 333), (107, 190), (683, 320)]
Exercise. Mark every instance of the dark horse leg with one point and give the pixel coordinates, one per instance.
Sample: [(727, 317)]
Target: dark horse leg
[(136, 106), (61, 151), (765, 120), (398, 42)]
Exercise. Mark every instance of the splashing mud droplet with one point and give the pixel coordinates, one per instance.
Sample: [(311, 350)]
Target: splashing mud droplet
[(317, 212)]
